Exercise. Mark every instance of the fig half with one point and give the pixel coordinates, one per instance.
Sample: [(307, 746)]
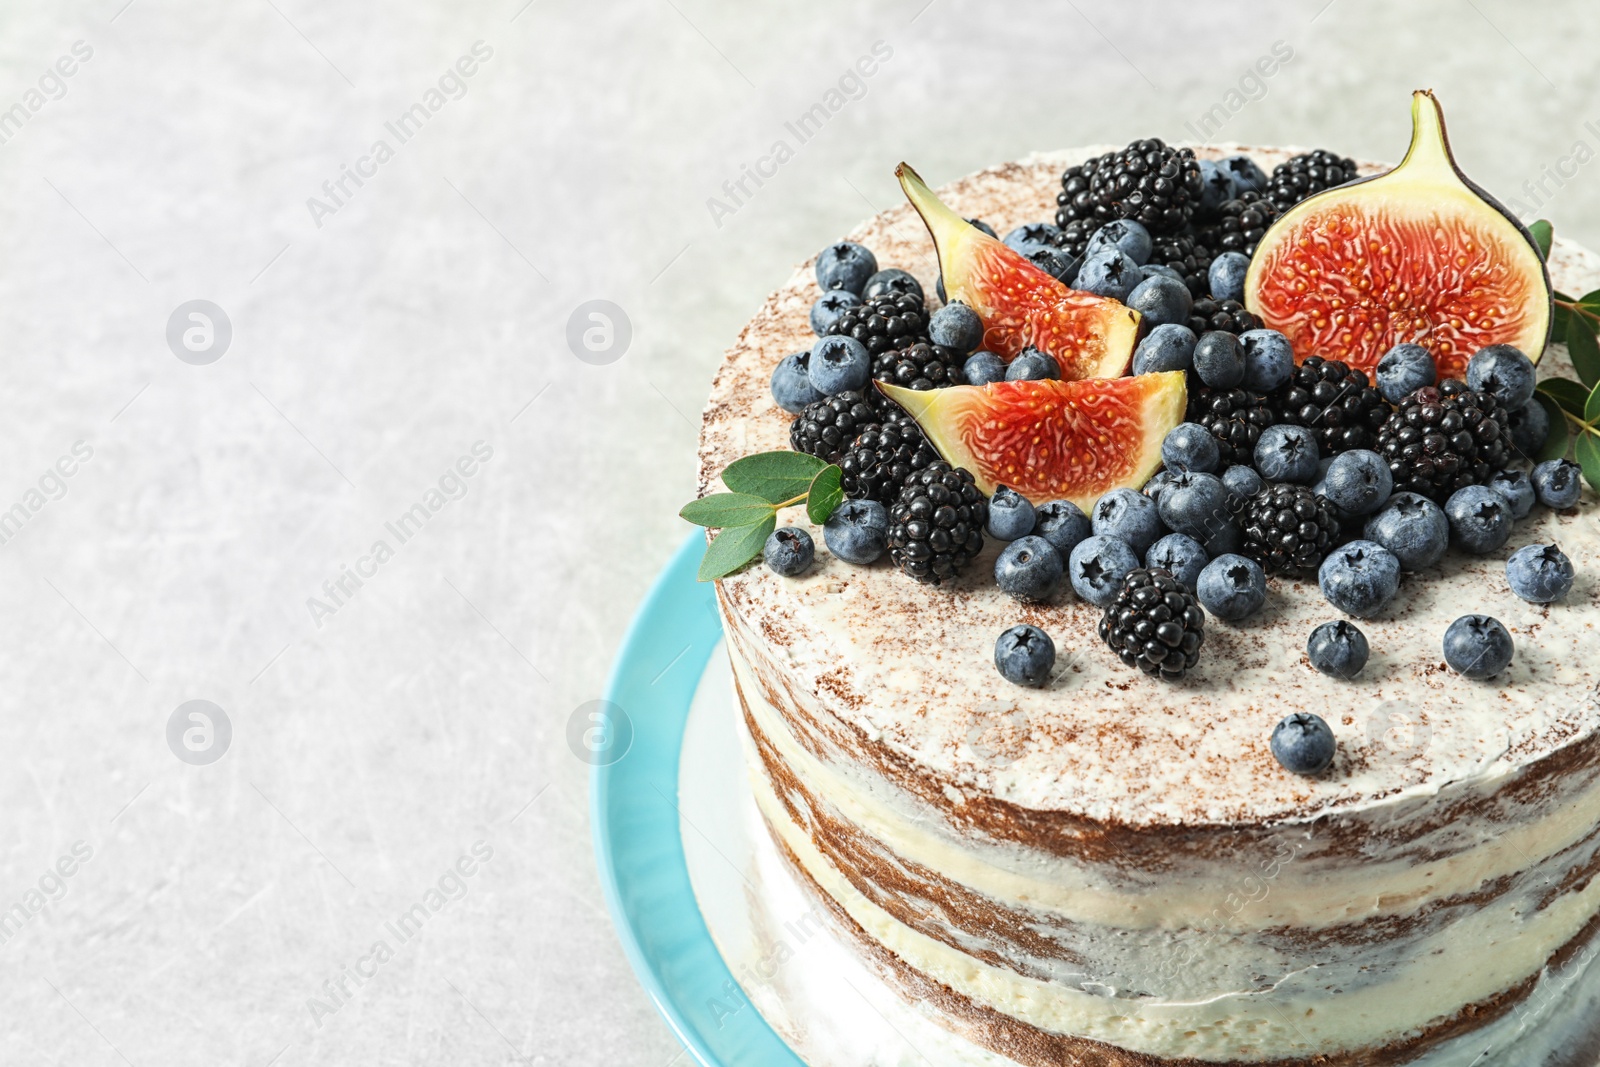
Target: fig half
[(1419, 253)]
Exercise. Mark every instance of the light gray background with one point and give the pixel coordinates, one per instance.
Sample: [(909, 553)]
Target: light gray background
[(430, 313)]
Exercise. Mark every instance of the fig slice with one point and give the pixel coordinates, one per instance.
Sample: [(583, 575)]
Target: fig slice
[(1020, 305), (1052, 440), (1418, 253)]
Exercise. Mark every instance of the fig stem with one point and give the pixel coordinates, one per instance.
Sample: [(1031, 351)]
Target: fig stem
[(1580, 423), (1579, 308)]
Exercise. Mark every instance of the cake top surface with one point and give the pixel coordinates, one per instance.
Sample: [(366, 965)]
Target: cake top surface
[(911, 667)]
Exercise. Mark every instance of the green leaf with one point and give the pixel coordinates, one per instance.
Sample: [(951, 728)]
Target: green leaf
[(1591, 409), (825, 494), (1584, 351), (1590, 300), (1542, 233), (1568, 394), (726, 509), (736, 546), (1587, 453), (776, 477), (1555, 440), (1558, 330)]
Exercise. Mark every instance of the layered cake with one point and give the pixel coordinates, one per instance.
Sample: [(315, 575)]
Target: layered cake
[(1117, 866)]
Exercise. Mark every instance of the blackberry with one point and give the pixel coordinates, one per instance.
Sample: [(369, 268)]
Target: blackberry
[(1155, 624), (1147, 181), (881, 459), (826, 428), (884, 323), (1305, 175), (1288, 529), (936, 523), (1228, 316), (923, 365), (1334, 400), (1186, 255), (1235, 417), (1240, 225), (1443, 438), (1074, 239)]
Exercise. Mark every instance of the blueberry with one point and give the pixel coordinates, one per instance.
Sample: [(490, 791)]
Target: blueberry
[(956, 326), (846, 266), (1360, 578), (1195, 503), (1219, 359), (1162, 301), (1167, 347), (1517, 488), (1358, 481), (1480, 519), (1011, 516), (1033, 235), (1110, 273), (789, 551), (829, 306), (1032, 365), (1180, 556), (1129, 516), (1414, 528), (1243, 482), (1053, 262), (1216, 187), (1062, 523), (1478, 647), (1556, 484), (984, 368), (1030, 569), (1530, 427), (1125, 235), (1403, 370), (1224, 538), (1268, 360), (1189, 446), (892, 282), (1097, 567), (1227, 276), (979, 224), (839, 363), (1288, 454), (791, 383), (1247, 176), (1152, 270), (1232, 587), (1025, 655), (1158, 481), (1540, 573), (857, 531), (1337, 648), (1303, 743), (1503, 372)]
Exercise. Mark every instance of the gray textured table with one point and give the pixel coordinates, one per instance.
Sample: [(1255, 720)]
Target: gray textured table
[(367, 503)]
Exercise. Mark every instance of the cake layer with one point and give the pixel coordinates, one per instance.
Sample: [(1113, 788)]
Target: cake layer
[(1114, 870)]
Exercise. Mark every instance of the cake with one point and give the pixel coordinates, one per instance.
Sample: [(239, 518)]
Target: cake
[(1114, 870)]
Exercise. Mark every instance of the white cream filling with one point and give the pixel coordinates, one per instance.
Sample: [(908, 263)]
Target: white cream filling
[(1472, 961), (1277, 894)]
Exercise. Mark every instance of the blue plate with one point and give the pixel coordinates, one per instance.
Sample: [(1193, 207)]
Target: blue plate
[(636, 831)]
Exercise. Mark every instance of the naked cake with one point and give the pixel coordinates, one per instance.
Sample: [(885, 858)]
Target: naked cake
[(1118, 866)]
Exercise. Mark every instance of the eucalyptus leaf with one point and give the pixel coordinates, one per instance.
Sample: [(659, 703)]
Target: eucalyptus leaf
[(824, 495), (1587, 452), (1584, 351), (1543, 232), (1568, 394), (1556, 438), (776, 477), (726, 509), (735, 547)]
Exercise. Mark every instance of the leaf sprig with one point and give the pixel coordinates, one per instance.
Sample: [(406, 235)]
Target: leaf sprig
[(1573, 406), (760, 486)]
